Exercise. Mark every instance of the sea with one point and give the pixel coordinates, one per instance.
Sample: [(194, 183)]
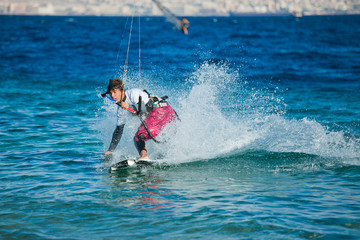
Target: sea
[(267, 145)]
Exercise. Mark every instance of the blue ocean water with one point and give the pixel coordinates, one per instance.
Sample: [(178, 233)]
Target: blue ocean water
[(268, 146)]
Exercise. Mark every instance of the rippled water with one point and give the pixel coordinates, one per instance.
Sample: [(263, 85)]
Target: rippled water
[(267, 148)]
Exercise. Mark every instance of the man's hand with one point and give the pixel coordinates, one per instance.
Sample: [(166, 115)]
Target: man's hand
[(124, 105), (107, 153)]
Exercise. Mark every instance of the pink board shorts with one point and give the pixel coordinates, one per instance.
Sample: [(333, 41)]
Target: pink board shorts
[(156, 121)]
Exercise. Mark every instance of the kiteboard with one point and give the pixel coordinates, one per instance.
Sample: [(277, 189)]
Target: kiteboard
[(130, 163)]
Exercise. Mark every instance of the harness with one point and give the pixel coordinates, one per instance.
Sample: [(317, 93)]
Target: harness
[(155, 101)]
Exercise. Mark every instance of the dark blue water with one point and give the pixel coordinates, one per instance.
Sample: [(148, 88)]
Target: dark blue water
[(268, 146)]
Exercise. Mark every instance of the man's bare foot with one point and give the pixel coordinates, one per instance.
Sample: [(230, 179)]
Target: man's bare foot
[(143, 155)]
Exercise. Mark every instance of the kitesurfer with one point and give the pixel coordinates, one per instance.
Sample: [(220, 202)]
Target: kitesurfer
[(184, 25), (157, 111)]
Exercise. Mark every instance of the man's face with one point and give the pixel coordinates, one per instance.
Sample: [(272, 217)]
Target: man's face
[(116, 94)]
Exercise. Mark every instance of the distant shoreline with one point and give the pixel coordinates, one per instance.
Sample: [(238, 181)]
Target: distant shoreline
[(288, 14), (219, 16)]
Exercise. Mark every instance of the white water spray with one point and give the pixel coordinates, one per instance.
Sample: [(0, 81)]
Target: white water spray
[(258, 121)]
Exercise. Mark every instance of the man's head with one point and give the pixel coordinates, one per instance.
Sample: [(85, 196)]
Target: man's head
[(114, 84)]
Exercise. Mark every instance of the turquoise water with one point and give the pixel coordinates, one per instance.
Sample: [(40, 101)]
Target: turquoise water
[(267, 148)]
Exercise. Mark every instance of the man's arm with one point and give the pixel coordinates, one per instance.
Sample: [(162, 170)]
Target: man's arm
[(116, 137)]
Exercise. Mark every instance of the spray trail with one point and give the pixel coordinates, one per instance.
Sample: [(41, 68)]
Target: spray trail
[(222, 114)]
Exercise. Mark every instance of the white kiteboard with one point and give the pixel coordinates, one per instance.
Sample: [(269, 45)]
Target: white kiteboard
[(131, 162)]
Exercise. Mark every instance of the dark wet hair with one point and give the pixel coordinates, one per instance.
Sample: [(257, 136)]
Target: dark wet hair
[(114, 83)]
